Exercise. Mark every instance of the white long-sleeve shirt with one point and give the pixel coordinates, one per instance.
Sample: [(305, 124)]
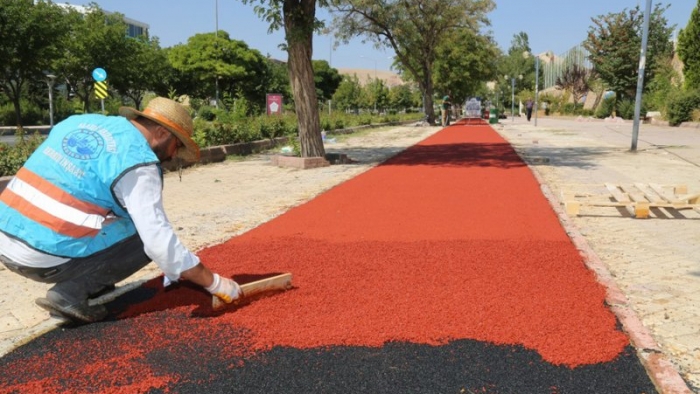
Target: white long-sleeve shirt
[(140, 191)]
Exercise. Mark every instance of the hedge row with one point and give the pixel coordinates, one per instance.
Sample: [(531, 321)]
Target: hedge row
[(223, 130)]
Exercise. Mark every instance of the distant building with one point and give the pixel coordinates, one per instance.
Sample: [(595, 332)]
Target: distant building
[(134, 28)]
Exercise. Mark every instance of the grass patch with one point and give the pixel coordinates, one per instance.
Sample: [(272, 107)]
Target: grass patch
[(358, 133)]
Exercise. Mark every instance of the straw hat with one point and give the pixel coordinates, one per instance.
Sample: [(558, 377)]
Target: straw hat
[(172, 116)]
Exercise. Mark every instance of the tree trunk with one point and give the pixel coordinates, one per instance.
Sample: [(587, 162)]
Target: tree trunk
[(428, 91), (299, 18), (598, 98), (13, 92), (18, 111)]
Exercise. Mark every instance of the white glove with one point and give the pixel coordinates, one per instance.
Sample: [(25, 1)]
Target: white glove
[(225, 289)]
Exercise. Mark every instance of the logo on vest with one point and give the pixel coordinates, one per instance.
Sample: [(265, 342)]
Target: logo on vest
[(83, 144)]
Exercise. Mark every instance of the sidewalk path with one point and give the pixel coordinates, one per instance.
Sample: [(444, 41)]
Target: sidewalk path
[(444, 269), (654, 262)]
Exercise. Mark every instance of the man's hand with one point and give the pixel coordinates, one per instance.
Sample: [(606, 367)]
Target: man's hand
[(225, 289)]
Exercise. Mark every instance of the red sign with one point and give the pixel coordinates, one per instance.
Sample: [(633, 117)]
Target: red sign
[(274, 104)]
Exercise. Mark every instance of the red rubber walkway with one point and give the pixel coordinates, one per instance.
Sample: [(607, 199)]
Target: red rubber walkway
[(442, 270)]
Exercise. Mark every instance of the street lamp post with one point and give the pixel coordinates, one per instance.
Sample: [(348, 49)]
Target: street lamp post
[(505, 77), (537, 86), (50, 80), (330, 62), (526, 55), (512, 99), (512, 96), (216, 47), (640, 78), (496, 101)]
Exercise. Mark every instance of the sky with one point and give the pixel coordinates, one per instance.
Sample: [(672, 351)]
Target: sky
[(551, 25)]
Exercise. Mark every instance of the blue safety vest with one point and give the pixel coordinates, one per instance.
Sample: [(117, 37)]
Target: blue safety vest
[(61, 202)]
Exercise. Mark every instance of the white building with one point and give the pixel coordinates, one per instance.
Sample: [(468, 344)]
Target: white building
[(134, 27)]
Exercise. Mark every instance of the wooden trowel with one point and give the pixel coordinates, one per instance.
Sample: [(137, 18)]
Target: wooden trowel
[(273, 284)]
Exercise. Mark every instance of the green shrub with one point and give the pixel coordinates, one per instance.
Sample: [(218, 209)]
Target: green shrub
[(567, 109), (196, 103), (31, 114), (661, 86), (681, 106), (553, 103), (605, 109), (326, 123), (206, 112), (112, 105), (295, 144), (13, 157), (62, 109), (222, 133), (227, 128), (291, 125), (202, 129), (625, 108), (364, 120), (264, 127), (7, 115)]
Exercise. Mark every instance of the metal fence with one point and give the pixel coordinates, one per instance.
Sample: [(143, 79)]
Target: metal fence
[(553, 66)]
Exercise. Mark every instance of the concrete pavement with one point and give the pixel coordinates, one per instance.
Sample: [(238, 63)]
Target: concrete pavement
[(650, 266)]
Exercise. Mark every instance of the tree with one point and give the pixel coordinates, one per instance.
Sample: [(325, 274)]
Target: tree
[(402, 97), (519, 44), (326, 79), (348, 94), (298, 17), (211, 59), (614, 44), (576, 80), (375, 94), (146, 70), (278, 80), (517, 62), (31, 35), (689, 50), (96, 39), (662, 87), (413, 29), (465, 60)]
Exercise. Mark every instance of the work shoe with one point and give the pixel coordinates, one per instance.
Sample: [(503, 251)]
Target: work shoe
[(79, 313)]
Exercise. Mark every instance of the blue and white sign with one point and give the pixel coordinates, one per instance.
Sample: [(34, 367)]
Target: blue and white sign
[(99, 74)]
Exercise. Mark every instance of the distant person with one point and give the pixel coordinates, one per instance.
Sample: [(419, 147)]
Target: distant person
[(86, 209), (446, 106), (528, 107)]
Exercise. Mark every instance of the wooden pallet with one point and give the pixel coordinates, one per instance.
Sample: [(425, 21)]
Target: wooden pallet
[(638, 199)]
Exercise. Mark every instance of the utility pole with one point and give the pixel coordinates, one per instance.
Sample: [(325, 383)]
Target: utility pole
[(640, 77), (537, 86), (216, 47), (50, 80), (512, 99)]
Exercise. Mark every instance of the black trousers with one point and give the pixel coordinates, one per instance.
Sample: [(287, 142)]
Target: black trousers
[(78, 278)]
